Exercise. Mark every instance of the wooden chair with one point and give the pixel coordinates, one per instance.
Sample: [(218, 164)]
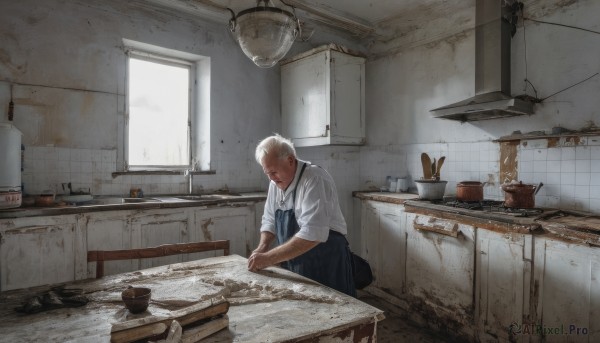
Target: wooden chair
[(99, 256)]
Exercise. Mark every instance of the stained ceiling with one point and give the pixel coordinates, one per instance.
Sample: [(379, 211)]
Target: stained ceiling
[(361, 18), (382, 26)]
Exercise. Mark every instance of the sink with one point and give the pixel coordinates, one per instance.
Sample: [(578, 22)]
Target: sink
[(118, 201), (202, 197), (216, 196)]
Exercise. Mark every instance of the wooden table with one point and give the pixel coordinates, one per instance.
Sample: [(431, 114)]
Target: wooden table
[(273, 305)]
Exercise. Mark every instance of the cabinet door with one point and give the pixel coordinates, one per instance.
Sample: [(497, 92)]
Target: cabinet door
[(347, 121), (384, 246), (157, 227), (305, 97), (503, 272), (568, 297), (440, 268), (109, 231), (322, 98), (236, 224), (38, 251)]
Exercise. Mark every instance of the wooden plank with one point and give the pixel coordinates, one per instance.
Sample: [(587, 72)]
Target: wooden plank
[(99, 256), (140, 328), (197, 333), (185, 316), (159, 251), (138, 333)]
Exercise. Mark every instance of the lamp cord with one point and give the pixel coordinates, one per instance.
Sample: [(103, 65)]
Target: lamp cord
[(526, 80)]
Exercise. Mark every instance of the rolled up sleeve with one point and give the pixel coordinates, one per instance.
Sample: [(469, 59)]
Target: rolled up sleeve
[(268, 218)]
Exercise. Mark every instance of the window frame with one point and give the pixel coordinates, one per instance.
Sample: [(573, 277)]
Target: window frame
[(169, 61)]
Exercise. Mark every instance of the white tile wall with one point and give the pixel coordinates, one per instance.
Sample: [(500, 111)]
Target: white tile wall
[(47, 168), (570, 172), (477, 161)]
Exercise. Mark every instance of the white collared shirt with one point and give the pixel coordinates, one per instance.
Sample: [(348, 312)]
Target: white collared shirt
[(317, 206)]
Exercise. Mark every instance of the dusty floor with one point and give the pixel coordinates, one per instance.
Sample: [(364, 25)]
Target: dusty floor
[(395, 328)]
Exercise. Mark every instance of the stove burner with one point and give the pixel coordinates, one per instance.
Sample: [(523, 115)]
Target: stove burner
[(492, 206)]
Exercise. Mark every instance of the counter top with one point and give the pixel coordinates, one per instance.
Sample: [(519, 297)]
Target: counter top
[(501, 222), (568, 226), (273, 304), (389, 197), (107, 203)]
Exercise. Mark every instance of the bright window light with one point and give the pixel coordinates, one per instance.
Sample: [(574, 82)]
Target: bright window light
[(159, 112)]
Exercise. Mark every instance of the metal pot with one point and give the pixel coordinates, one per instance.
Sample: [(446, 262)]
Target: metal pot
[(520, 195), (431, 189), (469, 191)]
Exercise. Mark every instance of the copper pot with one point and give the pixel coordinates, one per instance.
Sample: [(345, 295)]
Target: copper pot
[(520, 195), (469, 191), (44, 200)]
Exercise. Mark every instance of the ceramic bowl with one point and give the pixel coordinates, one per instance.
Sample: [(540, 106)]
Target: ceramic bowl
[(136, 299)]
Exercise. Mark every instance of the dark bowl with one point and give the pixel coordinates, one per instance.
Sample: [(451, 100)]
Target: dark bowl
[(136, 299)]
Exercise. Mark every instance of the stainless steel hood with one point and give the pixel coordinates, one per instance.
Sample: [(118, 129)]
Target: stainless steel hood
[(492, 69)]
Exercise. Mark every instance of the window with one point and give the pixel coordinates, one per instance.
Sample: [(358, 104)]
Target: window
[(166, 122), (159, 106)]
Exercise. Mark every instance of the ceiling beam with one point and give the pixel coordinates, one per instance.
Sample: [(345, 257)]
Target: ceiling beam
[(334, 18)]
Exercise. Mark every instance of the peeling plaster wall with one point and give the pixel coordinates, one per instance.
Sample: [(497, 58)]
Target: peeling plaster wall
[(67, 66), (421, 73)]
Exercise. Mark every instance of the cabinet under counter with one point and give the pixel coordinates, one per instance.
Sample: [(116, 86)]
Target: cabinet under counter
[(51, 249)]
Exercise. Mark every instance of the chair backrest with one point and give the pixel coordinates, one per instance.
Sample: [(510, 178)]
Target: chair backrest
[(99, 256)]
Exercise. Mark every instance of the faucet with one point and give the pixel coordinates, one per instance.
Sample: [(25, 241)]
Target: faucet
[(67, 188), (189, 174)]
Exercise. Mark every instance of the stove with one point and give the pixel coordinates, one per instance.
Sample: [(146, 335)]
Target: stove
[(490, 214), (492, 206)]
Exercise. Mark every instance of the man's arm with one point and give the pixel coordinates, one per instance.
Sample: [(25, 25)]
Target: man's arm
[(266, 239), (292, 248)]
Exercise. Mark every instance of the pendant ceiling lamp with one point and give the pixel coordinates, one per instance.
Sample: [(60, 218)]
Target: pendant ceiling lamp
[(265, 33)]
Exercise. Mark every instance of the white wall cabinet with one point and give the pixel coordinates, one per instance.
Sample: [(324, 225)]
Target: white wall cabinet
[(38, 251), (322, 98)]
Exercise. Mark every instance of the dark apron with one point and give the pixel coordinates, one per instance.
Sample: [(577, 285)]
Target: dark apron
[(328, 263)]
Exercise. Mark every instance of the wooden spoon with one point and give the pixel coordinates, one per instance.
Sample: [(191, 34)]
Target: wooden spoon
[(439, 167), (426, 163)]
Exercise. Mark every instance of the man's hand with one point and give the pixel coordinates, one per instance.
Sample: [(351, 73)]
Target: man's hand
[(291, 249), (258, 261)]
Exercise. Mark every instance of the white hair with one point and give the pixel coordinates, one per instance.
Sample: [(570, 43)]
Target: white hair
[(283, 147)]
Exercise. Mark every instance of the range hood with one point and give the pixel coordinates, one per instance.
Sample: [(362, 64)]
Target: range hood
[(492, 69)]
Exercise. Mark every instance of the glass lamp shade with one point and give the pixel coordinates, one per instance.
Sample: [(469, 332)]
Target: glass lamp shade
[(265, 34)]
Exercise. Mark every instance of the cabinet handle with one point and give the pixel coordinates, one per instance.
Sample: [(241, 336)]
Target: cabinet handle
[(443, 227)]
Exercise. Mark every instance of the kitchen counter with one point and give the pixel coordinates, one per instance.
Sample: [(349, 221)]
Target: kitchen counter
[(568, 226), (501, 222), (103, 203), (273, 304), (389, 197)]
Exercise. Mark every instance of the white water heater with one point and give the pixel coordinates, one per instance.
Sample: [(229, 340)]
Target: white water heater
[(10, 166)]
